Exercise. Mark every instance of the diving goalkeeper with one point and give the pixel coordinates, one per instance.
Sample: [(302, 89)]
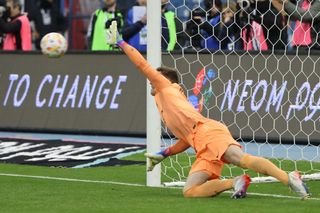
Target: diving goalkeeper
[(211, 140)]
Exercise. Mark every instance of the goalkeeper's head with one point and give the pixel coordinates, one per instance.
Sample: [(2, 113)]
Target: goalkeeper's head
[(170, 73)]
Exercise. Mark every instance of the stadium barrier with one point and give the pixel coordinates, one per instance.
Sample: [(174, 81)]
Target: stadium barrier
[(78, 93), (102, 93)]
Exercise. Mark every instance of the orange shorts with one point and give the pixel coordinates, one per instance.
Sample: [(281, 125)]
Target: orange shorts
[(211, 141)]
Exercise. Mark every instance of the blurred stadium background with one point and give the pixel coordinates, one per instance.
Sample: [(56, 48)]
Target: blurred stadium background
[(90, 98), (79, 13)]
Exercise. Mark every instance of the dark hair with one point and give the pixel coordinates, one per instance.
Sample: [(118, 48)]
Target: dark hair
[(169, 73)]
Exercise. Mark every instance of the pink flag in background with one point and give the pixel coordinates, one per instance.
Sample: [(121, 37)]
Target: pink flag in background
[(302, 33), (256, 41)]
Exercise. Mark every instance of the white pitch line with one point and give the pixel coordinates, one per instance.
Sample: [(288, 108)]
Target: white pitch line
[(133, 184), (70, 179), (280, 196)]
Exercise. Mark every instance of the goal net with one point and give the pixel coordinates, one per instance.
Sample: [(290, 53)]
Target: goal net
[(244, 65)]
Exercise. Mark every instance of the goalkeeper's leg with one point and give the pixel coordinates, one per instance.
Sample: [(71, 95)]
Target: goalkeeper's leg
[(261, 165), (199, 185), (236, 156)]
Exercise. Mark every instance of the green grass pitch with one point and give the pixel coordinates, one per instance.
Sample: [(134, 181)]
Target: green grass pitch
[(28, 194)]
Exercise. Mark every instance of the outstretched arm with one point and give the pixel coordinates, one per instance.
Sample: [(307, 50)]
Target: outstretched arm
[(156, 158), (155, 77), (178, 147)]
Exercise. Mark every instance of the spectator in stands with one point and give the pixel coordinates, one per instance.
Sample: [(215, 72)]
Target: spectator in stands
[(47, 18), (208, 21), (17, 30), (263, 16), (135, 31), (252, 35), (211, 28), (306, 13), (229, 34), (100, 22), (3, 15), (171, 26)]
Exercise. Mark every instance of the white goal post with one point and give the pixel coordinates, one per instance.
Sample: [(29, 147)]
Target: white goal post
[(154, 58)]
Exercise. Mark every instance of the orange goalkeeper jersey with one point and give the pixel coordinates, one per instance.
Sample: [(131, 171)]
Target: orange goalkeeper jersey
[(176, 111)]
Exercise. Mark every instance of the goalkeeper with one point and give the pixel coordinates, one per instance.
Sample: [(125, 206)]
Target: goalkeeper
[(210, 139)]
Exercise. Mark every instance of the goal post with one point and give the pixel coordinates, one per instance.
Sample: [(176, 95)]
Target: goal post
[(154, 58)]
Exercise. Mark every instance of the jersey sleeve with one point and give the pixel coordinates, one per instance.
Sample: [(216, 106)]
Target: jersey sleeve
[(155, 77), (178, 147)]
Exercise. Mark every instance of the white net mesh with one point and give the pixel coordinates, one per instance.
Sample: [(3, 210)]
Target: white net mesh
[(255, 69)]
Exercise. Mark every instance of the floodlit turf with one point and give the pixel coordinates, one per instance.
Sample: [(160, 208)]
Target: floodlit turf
[(23, 194)]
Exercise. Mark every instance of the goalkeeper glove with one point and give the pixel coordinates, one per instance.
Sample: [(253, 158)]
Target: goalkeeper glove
[(154, 159), (112, 35)]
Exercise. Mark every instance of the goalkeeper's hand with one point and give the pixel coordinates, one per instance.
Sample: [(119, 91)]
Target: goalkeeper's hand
[(153, 159), (112, 36)]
